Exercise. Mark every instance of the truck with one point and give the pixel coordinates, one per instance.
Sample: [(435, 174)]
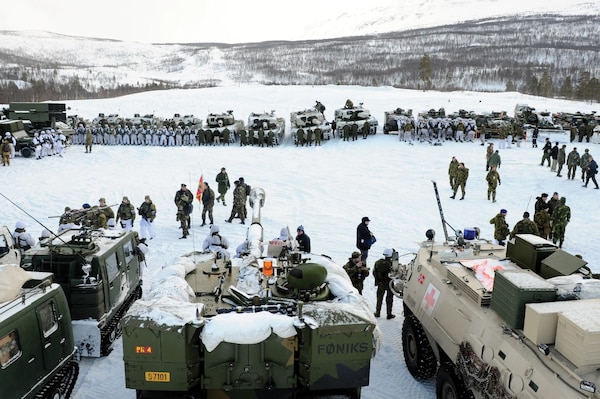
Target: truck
[(100, 273), (41, 115), (489, 321), (37, 350), (19, 130), (272, 323)]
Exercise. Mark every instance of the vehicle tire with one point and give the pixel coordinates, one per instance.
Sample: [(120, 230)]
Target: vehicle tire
[(56, 393), (418, 353), (26, 152), (449, 386)]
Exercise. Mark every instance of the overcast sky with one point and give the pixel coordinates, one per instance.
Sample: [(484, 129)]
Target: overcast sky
[(227, 21)]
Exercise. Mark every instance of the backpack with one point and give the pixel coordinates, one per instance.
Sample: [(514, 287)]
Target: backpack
[(6, 147)]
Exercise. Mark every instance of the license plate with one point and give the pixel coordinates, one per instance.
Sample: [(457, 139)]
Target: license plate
[(158, 376)]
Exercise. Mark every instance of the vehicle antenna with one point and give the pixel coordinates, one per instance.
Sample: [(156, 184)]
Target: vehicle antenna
[(444, 223), (528, 202), (27, 213)]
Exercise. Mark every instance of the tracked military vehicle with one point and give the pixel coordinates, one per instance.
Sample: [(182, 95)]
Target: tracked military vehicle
[(275, 323), (218, 123), (310, 118), (36, 341), (391, 119), (352, 114), (495, 322), (267, 123), (100, 273)]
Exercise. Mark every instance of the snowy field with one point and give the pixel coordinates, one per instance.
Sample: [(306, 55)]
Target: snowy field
[(327, 189)]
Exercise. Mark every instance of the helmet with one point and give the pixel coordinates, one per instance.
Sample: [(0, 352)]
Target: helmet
[(388, 252), (20, 225)]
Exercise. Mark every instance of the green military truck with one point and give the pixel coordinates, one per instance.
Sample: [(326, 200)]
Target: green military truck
[(18, 129), (41, 115)]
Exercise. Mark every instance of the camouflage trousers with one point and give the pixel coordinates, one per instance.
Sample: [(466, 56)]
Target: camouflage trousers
[(184, 222)]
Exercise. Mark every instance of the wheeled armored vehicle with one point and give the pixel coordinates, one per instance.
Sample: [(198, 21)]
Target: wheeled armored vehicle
[(310, 118), (489, 321), (273, 323), (37, 349), (100, 273), (352, 114)]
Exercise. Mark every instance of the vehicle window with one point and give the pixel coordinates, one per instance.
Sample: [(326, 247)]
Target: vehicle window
[(3, 246), (128, 248), (47, 319), (10, 348), (112, 266)]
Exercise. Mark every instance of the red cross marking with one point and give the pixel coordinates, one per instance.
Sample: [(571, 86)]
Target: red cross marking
[(430, 298)]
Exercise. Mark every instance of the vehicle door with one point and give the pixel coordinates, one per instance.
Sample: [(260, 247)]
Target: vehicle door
[(115, 270), (51, 333), (8, 253)]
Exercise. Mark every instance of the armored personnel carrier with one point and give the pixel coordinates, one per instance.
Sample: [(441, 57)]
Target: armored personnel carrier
[(495, 322), (269, 123), (100, 273), (36, 340), (274, 323), (310, 118), (217, 123), (352, 114)]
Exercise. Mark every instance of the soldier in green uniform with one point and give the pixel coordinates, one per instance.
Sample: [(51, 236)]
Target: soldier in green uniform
[(243, 138), (107, 210), (493, 180), (239, 201), (561, 216), (525, 226), (183, 200), (381, 272), (572, 163), (300, 137), (357, 271), (560, 160), (365, 130), (346, 131), (226, 136), (125, 212), (462, 174), (208, 202), (452, 169), (500, 226), (584, 163), (318, 136), (223, 181), (542, 221), (354, 131)]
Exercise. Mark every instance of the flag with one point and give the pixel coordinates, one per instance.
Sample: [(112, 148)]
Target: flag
[(200, 189)]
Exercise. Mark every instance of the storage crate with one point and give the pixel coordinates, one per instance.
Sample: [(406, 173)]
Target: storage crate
[(541, 319), (561, 263), (513, 289), (578, 336), (529, 250)]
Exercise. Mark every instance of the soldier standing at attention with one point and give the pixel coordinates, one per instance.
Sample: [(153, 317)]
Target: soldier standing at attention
[(208, 202), (357, 271), (493, 180), (462, 174), (500, 226), (525, 226), (223, 181), (561, 216), (452, 169), (126, 213), (381, 272), (148, 212), (183, 200)]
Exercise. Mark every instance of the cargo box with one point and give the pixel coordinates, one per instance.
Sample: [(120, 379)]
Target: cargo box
[(513, 289), (560, 263), (528, 251), (578, 336)]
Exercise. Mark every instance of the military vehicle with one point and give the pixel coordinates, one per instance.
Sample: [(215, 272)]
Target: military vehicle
[(391, 119), (274, 323), (17, 128), (100, 273), (37, 349), (495, 322), (41, 115), (310, 118), (9, 254), (220, 122), (351, 114), (269, 123)]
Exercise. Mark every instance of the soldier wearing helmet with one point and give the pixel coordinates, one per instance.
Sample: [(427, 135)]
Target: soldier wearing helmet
[(381, 273)]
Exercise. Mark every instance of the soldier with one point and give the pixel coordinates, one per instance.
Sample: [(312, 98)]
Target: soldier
[(247, 190), (346, 132), (208, 202), (354, 131), (303, 239), (561, 216), (572, 163), (223, 185), (542, 221), (546, 151), (364, 238), (183, 201), (500, 226), (381, 272), (525, 226), (147, 211), (488, 153), (215, 242), (357, 271), (591, 173), (494, 160), (560, 160), (300, 137), (23, 240), (239, 201), (126, 213), (89, 138), (318, 136), (365, 130), (493, 180), (584, 162), (243, 139), (7, 149), (452, 169), (462, 174), (106, 210), (540, 202), (534, 137), (554, 157)]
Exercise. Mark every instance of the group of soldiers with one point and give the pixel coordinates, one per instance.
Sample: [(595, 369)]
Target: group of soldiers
[(48, 142), (556, 158)]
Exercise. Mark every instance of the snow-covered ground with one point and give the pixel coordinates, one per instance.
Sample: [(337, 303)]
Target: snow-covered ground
[(327, 189)]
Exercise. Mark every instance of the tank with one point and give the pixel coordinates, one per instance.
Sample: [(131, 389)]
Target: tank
[(493, 322), (220, 122), (273, 323), (391, 119), (99, 271), (351, 114), (9, 254), (269, 123), (310, 118), (37, 349)]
